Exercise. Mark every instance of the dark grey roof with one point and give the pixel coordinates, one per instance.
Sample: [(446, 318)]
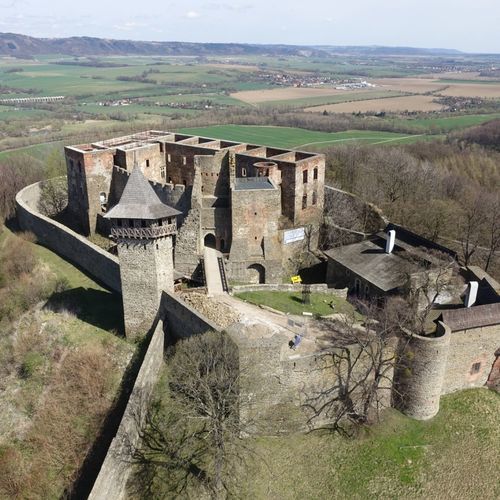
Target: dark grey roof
[(466, 318), (139, 201), (369, 261), (242, 183)]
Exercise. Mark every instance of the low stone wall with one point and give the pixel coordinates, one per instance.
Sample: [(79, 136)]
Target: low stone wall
[(115, 470), (315, 288), (181, 320), (97, 262)]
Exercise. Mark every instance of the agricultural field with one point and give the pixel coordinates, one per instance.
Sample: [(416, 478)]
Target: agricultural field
[(296, 138), (389, 105), (104, 94), (288, 94)]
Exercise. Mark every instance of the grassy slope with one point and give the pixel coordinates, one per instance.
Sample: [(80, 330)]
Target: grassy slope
[(455, 455)]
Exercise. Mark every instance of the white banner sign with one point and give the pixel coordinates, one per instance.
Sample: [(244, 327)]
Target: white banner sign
[(294, 235)]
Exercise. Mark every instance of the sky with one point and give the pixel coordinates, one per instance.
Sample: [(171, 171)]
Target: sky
[(468, 25)]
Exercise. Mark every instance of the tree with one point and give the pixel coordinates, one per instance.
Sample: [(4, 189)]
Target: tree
[(492, 224), (53, 196), (193, 438), (431, 278), (362, 359)]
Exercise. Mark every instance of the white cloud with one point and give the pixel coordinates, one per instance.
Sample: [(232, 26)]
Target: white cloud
[(192, 14)]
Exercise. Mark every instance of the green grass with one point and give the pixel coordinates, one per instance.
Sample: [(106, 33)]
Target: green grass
[(454, 455), (289, 137), (38, 151), (450, 123), (291, 302)]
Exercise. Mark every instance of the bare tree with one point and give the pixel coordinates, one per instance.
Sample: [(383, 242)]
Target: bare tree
[(362, 359), (53, 196), (192, 439), (431, 279), (492, 228)]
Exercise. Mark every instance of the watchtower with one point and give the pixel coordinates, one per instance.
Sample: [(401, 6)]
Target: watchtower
[(144, 229)]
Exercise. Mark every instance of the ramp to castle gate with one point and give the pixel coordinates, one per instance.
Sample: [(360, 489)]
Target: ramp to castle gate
[(214, 271)]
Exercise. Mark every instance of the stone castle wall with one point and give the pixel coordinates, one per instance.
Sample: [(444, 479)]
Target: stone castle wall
[(100, 264), (181, 320), (349, 215), (115, 470), (420, 372), (467, 348)]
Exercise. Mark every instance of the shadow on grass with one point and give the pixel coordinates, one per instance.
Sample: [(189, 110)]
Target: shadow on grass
[(97, 307)]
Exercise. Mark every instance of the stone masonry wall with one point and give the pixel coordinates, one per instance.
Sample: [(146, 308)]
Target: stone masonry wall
[(97, 262), (115, 470), (146, 269), (467, 348), (180, 319), (420, 373), (315, 288)]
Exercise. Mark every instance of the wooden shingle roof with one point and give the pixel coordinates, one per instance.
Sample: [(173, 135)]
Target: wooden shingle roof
[(139, 201)]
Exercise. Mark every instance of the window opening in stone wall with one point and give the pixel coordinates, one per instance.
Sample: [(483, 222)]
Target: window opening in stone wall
[(304, 176), (161, 147), (169, 158), (163, 173), (314, 198), (315, 173), (184, 161), (304, 201), (476, 367), (243, 172), (357, 287), (147, 163)]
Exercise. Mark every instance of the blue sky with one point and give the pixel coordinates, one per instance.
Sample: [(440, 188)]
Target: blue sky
[(467, 25)]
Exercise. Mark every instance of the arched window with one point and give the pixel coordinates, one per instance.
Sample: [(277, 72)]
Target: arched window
[(315, 173), (304, 176)]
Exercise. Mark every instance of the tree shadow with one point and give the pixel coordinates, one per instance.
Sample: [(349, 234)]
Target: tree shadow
[(96, 307)]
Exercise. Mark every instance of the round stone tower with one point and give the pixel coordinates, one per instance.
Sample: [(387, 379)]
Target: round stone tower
[(144, 229), (419, 373)]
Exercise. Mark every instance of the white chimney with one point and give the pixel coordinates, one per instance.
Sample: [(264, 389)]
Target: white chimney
[(471, 294), (391, 240)]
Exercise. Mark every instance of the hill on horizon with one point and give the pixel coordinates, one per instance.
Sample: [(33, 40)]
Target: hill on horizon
[(24, 46)]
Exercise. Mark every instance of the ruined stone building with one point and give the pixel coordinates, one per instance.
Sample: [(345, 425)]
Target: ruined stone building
[(259, 206)]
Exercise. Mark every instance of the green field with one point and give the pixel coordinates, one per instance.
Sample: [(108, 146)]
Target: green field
[(288, 137)]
